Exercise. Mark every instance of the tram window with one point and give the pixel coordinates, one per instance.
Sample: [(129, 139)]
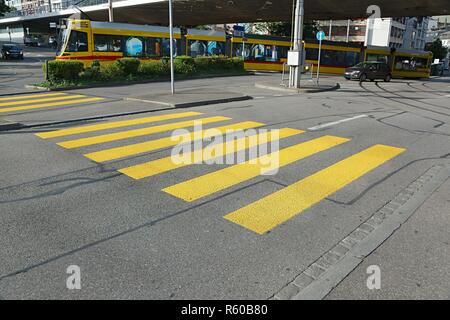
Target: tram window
[(377, 57), (116, 44), (216, 48), (100, 43), (283, 52), (153, 47), (166, 47), (105, 43), (410, 63), (198, 47), (257, 52), (134, 46), (77, 42), (351, 58), (329, 58), (206, 48), (312, 54)]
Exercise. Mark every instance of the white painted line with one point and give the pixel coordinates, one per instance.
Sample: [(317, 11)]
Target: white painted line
[(330, 124)]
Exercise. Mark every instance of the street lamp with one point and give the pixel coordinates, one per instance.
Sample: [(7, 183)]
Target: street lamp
[(172, 73), (9, 32)]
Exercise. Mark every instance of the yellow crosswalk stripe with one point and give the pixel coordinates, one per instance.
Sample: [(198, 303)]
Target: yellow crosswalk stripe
[(112, 125), (268, 212), (211, 183), (23, 97), (27, 102), (159, 166), (46, 105), (138, 148), (137, 132)]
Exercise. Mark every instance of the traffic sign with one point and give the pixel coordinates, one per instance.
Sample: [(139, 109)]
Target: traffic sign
[(320, 35), (239, 31)]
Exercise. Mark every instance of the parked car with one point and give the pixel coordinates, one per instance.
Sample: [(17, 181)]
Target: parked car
[(31, 41), (369, 71), (11, 51)]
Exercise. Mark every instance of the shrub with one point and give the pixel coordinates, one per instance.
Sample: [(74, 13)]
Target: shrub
[(237, 64), (59, 70), (128, 66), (154, 68), (112, 71), (203, 63), (92, 73), (188, 60)]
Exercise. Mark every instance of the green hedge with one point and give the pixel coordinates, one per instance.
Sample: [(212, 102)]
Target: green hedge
[(134, 69), (59, 70), (154, 68)]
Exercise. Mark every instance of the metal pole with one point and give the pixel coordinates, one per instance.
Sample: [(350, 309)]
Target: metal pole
[(348, 30), (172, 73), (110, 11), (295, 72), (318, 60), (329, 30)]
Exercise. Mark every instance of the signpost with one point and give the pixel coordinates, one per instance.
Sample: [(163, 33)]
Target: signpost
[(172, 72), (239, 32), (320, 36)]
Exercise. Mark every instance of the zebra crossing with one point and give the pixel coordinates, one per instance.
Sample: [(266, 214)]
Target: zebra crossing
[(260, 216), (27, 102)]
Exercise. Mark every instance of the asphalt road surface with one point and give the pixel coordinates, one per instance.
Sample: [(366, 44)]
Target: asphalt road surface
[(103, 194)]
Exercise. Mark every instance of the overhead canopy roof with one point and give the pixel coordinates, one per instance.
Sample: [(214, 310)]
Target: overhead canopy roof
[(195, 12)]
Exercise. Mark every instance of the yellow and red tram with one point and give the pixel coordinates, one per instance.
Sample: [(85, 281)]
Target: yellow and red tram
[(88, 41)]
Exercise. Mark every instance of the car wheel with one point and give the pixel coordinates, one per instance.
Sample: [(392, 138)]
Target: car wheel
[(362, 77), (387, 78), (372, 80)]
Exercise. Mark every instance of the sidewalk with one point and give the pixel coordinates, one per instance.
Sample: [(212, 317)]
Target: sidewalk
[(413, 261), (307, 85)]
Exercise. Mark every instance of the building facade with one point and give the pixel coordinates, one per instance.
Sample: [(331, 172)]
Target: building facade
[(408, 33)]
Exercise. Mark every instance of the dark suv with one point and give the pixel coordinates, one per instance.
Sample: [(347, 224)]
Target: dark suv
[(369, 70), (11, 51)]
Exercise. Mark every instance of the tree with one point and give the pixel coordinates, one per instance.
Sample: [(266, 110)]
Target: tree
[(284, 29), (439, 51), (3, 8)]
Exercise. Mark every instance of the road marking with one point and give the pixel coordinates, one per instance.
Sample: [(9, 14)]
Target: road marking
[(330, 124), (138, 148), (65, 97), (269, 212), (159, 166), (21, 97), (117, 124), (211, 183), (136, 132), (46, 105)]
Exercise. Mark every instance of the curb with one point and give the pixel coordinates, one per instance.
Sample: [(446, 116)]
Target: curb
[(112, 85), (6, 125), (192, 104), (337, 86), (43, 90), (25, 126), (323, 275)]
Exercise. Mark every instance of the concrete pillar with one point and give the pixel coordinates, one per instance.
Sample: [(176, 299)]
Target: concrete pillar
[(295, 72)]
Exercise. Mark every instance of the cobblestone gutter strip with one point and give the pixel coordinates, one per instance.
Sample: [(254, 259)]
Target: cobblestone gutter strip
[(330, 269)]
